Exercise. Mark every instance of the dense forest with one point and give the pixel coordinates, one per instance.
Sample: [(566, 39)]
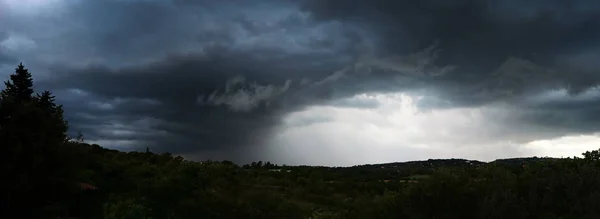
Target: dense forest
[(45, 174)]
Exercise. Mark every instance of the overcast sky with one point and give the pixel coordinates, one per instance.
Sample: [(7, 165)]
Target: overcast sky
[(318, 82)]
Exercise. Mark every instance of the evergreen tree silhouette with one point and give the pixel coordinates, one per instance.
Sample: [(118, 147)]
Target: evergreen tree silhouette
[(20, 85), (34, 170), (54, 113)]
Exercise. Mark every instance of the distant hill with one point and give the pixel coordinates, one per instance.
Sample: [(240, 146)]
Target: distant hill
[(521, 160), (430, 163), (437, 163)]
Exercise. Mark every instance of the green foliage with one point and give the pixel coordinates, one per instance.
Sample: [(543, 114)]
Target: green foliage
[(126, 209), (47, 176)]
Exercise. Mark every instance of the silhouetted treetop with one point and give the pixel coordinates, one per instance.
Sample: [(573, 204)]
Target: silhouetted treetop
[(20, 85)]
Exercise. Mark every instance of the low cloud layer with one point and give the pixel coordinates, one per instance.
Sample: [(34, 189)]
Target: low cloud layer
[(242, 96), (248, 80)]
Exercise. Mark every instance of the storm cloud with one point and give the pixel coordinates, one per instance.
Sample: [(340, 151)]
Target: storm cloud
[(288, 80)]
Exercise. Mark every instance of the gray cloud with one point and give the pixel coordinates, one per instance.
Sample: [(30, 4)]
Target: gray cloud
[(476, 36), (499, 51), (240, 95), (211, 78)]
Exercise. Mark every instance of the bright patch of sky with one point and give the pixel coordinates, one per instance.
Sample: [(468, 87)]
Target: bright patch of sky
[(397, 130)]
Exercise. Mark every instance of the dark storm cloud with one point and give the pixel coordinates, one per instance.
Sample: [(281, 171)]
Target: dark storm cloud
[(501, 50), (216, 77), (188, 62), (574, 114), (222, 101), (477, 36), (174, 54)]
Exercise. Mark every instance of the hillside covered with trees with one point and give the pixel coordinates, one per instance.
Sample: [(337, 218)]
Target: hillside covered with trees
[(45, 174)]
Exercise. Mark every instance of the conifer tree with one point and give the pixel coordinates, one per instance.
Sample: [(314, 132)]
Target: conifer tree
[(20, 85), (15, 156), (33, 132), (18, 89), (54, 113)]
